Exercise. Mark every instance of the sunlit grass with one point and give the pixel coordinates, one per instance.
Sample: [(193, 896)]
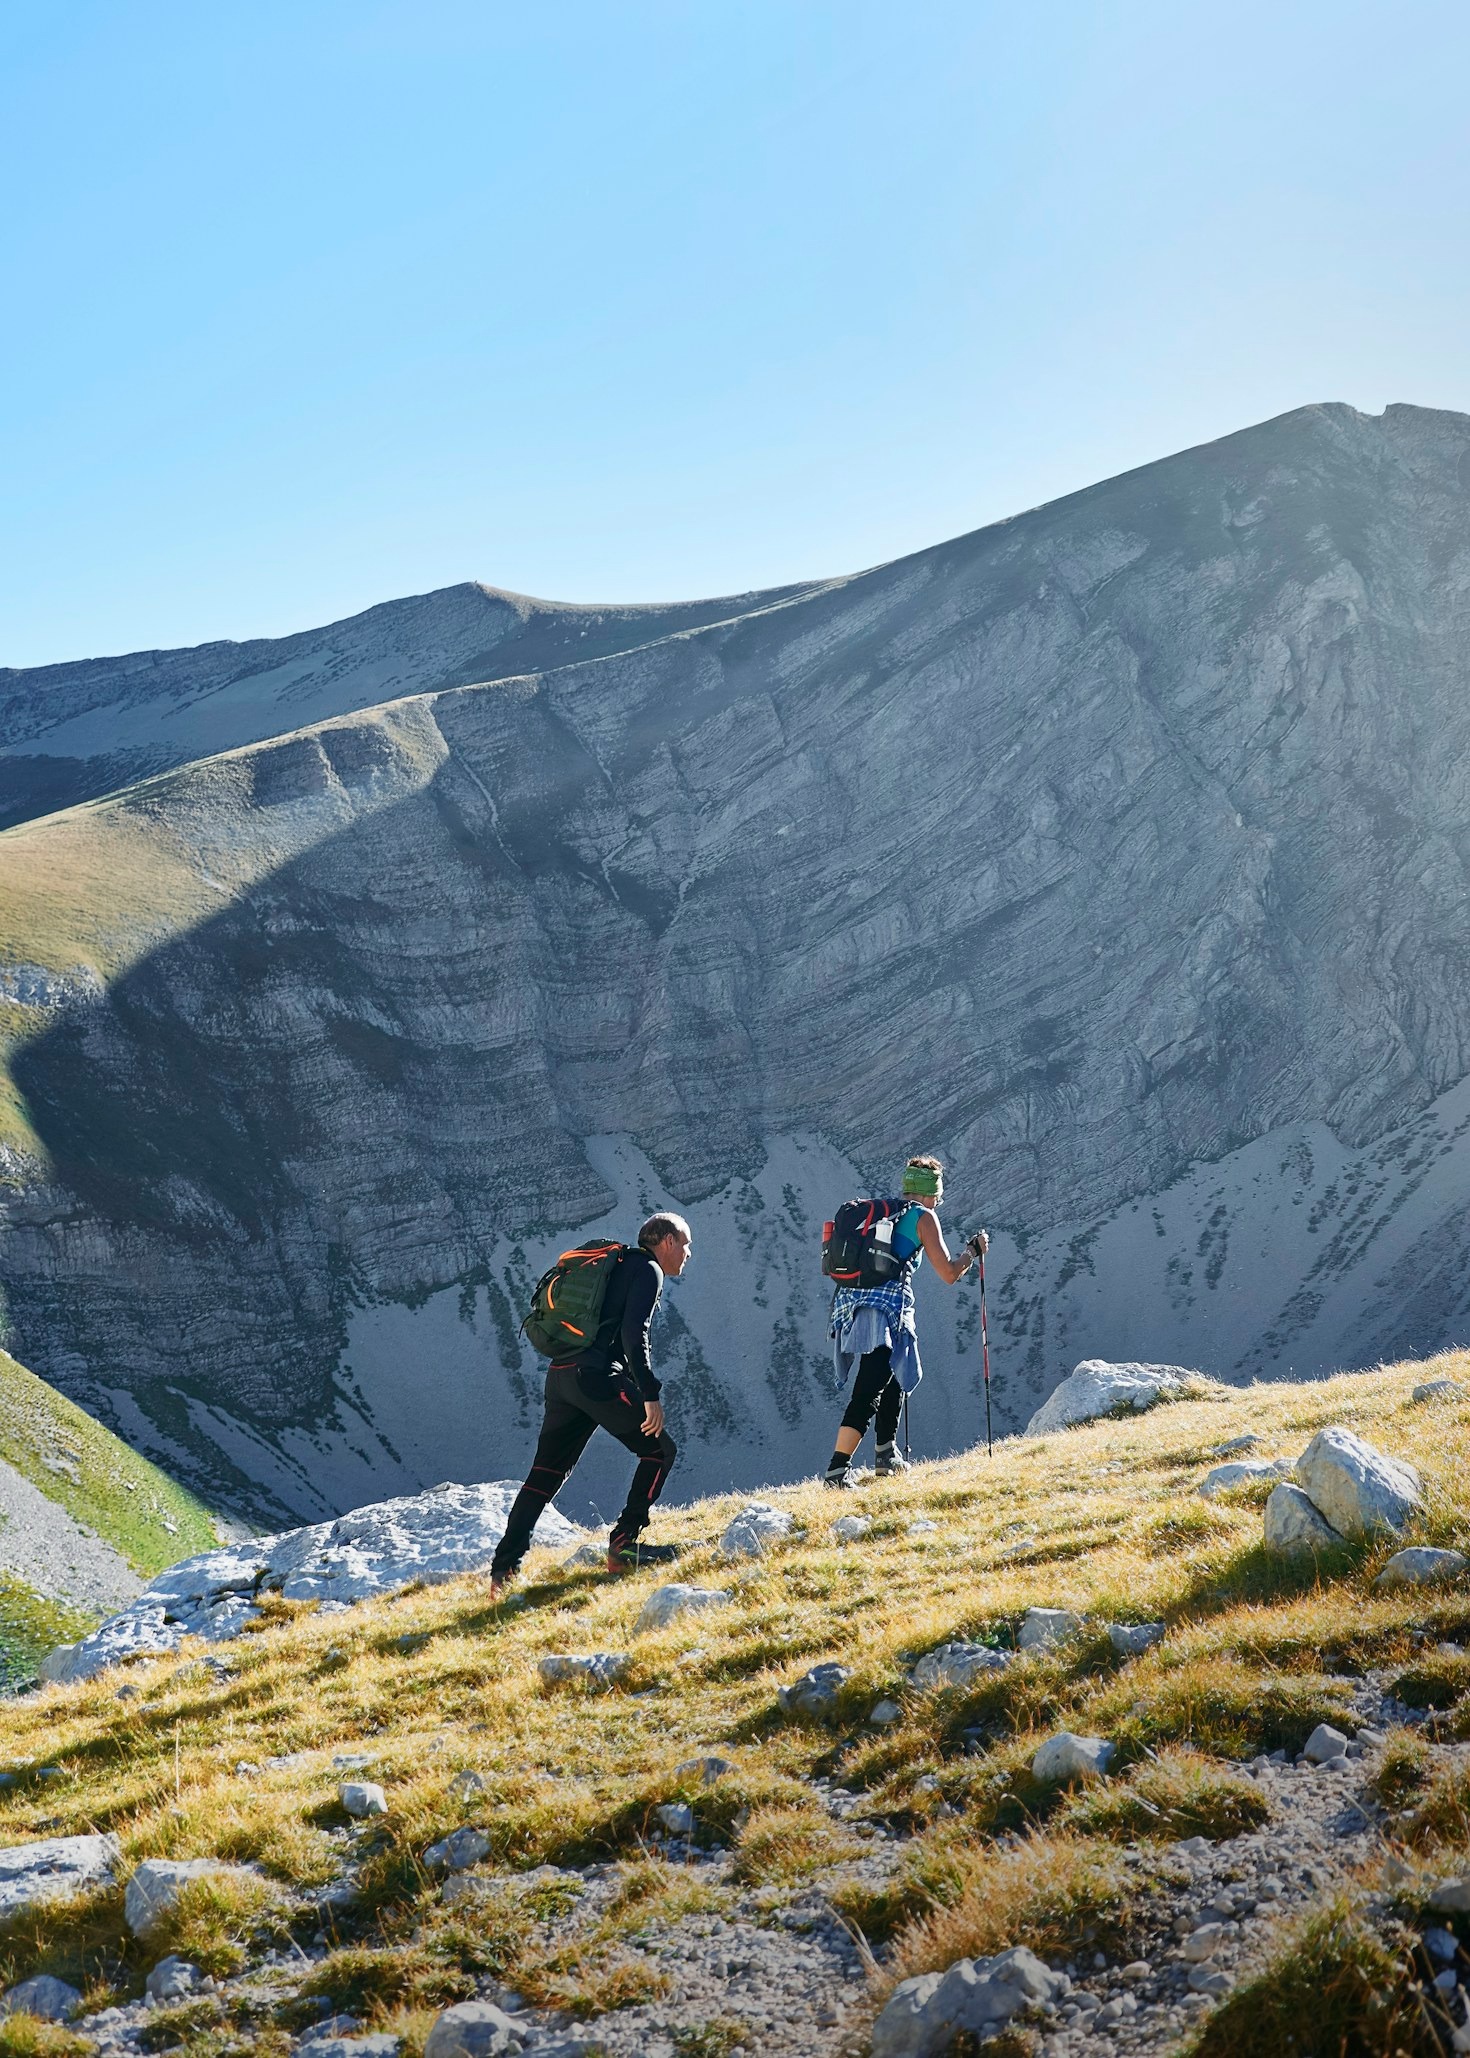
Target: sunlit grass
[(438, 1682)]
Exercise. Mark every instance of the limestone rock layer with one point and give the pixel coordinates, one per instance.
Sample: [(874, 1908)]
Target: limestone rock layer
[(1102, 845)]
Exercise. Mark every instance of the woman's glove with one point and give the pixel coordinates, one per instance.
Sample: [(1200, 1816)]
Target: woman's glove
[(978, 1244)]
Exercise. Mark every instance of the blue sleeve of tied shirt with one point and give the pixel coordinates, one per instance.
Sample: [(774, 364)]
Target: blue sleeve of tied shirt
[(644, 1286)]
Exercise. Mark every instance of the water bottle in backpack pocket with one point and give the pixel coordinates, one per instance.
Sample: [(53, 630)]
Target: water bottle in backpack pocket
[(867, 1242)]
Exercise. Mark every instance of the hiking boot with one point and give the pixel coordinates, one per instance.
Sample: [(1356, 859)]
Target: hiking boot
[(628, 1553), (889, 1461), (838, 1482)]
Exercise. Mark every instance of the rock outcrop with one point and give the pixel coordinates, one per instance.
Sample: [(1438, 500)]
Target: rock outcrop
[(958, 1665), (52, 1868), (1242, 1472), (1096, 1388), (927, 2015), (1359, 1490), (667, 1604), (45, 1996), (1422, 1566), (1065, 1757), (375, 1550), (1294, 1523)]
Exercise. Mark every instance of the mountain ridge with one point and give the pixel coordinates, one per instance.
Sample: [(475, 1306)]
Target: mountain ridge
[(1100, 845)]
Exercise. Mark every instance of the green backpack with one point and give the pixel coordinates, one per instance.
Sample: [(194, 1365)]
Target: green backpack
[(566, 1308)]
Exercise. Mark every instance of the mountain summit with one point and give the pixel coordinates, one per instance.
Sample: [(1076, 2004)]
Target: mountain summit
[(1115, 851)]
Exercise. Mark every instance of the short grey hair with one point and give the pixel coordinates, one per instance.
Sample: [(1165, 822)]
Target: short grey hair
[(657, 1227)]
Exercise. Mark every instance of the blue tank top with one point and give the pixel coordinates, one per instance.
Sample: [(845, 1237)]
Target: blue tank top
[(906, 1246)]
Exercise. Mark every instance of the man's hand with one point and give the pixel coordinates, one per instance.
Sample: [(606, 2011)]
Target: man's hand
[(653, 1418)]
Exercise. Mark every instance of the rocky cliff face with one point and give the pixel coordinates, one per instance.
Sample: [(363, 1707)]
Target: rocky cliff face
[(1116, 851)]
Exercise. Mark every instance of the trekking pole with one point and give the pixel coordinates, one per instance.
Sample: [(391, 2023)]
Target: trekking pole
[(905, 1428), (985, 1357)]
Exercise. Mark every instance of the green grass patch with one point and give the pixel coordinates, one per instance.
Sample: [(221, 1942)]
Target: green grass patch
[(782, 1846), (218, 1923), (146, 1516), (1404, 1769), (1337, 1990), (717, 2038), (366, 1982), (1437, 1680), (1179, 1793), (30, 1626), (1056, 1894), (1220, 1704), (26, 2036)]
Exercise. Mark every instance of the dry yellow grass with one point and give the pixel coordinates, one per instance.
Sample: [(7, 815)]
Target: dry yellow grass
[(439, 1681)]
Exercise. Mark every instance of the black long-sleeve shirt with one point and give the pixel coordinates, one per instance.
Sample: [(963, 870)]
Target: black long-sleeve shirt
[(622, 1334)]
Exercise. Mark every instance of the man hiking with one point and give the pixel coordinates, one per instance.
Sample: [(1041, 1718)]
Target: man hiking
[(873, 1327), (610, 1382)]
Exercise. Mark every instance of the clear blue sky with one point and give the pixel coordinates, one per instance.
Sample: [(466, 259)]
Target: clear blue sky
[(308, 303)]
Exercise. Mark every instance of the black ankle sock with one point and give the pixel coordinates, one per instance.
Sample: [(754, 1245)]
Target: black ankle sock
[(839, 1463)]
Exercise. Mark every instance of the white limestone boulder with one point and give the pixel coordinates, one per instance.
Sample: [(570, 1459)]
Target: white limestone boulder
[(54, 1866), (45, 1996), (977, 1996), (958, 1665), (476, 2029), (1066, 1757), (429, 1537), (1324, 1744), (1220, 1478), (756, 1530), (1360, 1490), (1096, 1388), (1422, 1566), (172, 1979), (362, 1798), (667, 1603), (597, 1668), (815, 1693), (1128, 1639), (1437, 1390), (458, 1851), (1293, 1524), (1042, 1629)]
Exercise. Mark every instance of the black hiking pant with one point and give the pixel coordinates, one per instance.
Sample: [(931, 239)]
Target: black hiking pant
[(875, 1391), (577, 1401)]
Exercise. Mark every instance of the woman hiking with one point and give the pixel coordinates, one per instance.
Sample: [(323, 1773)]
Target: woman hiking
[(873, 1327)]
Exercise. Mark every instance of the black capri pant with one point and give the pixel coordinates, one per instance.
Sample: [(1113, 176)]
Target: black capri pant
[(875, 1391)]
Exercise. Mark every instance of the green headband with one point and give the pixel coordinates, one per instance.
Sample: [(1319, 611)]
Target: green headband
[(921, 1181)]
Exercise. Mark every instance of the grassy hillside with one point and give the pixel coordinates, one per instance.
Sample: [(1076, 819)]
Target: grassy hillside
[(105, 1485), (30, 1626), (975, 1855), (89, 891)]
